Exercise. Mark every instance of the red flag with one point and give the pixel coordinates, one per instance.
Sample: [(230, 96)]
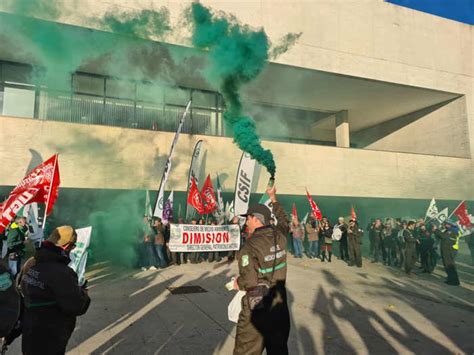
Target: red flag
[(463, 216), (194, 197), (46, 178), (208, 196), (295, 214), (353, 214), (14, 203), (314, 207), (40, 185)]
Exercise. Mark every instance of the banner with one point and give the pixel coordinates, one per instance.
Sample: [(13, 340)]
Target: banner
[(208, 196), (353, 214), (40, 185), (219, 213), (78, 255), (35, 232), (432, 210), (168, 208), (13, 205), (195, 198), (194, 169), (461, 213), (148, 210), (314, 207), (243, 184), (158, 212), (442, 216), (201, 238)]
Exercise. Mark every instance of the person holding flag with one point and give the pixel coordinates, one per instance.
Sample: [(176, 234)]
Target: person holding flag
[(16, 236), (313, 236), (354, 236)]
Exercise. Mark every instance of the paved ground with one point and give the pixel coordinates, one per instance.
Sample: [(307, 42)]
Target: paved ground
[(335, 310)]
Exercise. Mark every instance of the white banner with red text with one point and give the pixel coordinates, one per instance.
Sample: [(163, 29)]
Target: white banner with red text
[(201, 238)]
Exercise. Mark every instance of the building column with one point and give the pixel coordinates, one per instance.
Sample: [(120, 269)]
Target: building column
[(342, 130)]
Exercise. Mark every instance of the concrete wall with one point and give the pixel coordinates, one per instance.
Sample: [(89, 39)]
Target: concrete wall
[(441, 132), (116, 158)]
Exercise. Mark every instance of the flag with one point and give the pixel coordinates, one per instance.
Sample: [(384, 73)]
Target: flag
[(442, 216), (194, 197), (208, 196), (294, 213), (314, 207), (168, 208), (230, 212), (461, 213), (243, 183), (220, 201), (432, 210), (305, 218), (148, 210), (158, 211), (40, 185), (194, 170), (353, 214)]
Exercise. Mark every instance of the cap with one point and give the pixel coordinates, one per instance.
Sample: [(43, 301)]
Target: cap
[(63, 235), (262, 212)]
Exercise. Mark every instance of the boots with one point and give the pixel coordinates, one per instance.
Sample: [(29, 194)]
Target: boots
[(330, 254), (322, 257)]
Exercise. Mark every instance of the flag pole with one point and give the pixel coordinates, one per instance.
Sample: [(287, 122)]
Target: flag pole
[(455, 209), (49, 192)]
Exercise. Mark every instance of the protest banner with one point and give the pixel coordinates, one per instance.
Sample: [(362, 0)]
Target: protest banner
[(78, 255), (202, 238)]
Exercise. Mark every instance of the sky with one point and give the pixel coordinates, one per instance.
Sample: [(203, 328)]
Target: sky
[(457, 10)]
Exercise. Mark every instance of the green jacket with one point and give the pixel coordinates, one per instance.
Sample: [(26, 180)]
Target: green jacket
[(16, 237)]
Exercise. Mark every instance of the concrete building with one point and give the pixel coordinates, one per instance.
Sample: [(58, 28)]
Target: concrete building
[(373, 106)]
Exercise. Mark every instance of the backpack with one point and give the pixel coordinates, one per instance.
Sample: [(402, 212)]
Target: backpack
[(9, 302)]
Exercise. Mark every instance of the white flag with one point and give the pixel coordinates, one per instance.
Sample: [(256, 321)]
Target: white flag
[(432, 210), (79, 254), (158, 212), (442, 216), (36, 233), (148, 210)]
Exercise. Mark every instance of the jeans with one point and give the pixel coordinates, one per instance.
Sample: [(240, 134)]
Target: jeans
[(160, 254), (150, 259), (14, 265), (313, 248), (297, 247)]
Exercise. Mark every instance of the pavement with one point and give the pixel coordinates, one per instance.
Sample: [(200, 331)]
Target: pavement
[(335, 309)]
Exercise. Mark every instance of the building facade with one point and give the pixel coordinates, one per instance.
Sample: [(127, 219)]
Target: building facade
[(372, 105)]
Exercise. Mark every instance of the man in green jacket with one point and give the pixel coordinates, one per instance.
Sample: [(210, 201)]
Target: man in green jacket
[(16, 236)]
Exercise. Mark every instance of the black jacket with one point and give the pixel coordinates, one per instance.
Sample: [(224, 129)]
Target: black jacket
[(52, 299)]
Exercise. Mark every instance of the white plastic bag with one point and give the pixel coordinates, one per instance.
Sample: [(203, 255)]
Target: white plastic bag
[(235, 306)]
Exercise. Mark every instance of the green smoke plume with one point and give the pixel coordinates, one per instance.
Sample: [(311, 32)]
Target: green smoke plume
[(147, 24), (116, 227), (237, 56), (285, 44)]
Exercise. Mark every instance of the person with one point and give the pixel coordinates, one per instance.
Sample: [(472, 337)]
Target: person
[(313, 237), (264, 321), (158, 238), (410, 247), (148, 248), (326, 233), (16, 236), (9, 305), (51, 295), (354, 237), (297, 232), (401, 245), (448, 238), (426, 250), (389, 243), (470, 244), (371, 234), (343, 249), (378, 239)]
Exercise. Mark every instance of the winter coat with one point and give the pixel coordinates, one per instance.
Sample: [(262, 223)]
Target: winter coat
[(312, 232), (297, 231), (52, 299), (158, 234)]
